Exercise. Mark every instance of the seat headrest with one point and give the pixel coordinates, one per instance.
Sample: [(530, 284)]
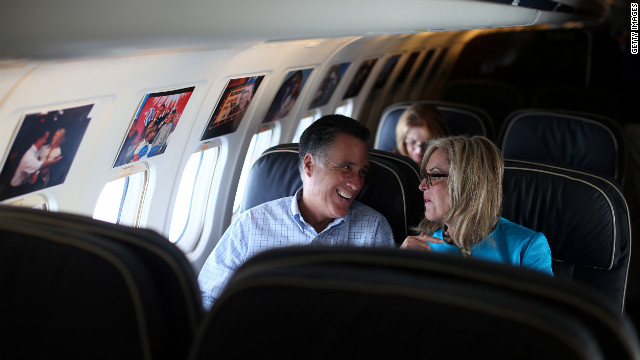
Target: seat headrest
[(585, 141), (460, 119)]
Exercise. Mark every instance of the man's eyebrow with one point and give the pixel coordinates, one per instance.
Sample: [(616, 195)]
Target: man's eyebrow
[(352, 163)]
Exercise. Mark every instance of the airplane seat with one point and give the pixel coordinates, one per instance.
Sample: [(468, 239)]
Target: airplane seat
[(584, 217), (498, 99), (391, 186), (584, 141), (337, 302), (168, 297), (573, 98), (72, 295), (461, 120)]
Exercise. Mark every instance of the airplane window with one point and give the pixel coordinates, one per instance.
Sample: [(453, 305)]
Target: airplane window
[(304, 124), (345, 108), (121, 199), (186, 219), (259, 143)]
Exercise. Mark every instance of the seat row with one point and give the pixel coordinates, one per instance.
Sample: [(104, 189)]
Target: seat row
[(584, 217), (579, 140), (77, 287)]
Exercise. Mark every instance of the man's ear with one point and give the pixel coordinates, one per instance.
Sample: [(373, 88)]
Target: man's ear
[(308, 164)]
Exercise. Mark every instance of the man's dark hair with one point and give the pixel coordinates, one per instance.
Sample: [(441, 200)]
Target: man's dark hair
[(318, 138)]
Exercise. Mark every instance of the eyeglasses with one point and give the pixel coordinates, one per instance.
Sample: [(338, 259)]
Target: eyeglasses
[(430, 178), (416, 143)]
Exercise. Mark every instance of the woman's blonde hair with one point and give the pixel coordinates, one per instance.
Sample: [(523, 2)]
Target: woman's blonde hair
[(419, 115), (476, 168)]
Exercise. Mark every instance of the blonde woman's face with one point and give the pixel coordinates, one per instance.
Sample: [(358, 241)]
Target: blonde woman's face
[(436, 195), (415, 142)]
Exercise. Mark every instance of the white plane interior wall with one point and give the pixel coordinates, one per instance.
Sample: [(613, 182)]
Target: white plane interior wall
[(117, 85)]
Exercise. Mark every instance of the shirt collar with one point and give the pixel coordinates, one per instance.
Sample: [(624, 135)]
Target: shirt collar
[(295, 211)]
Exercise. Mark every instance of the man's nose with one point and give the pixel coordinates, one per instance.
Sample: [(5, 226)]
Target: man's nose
[(356, 181)]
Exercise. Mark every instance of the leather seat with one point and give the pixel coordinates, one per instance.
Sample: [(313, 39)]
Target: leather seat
[(336, 302), (86, 288), (584, 217), (589, 142), (460, 119)]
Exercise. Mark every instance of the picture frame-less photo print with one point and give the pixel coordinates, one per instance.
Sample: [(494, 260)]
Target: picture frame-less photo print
[(43, 150), (287, 95), (328, 85), (359, 78), (153, 124), (232, 106)]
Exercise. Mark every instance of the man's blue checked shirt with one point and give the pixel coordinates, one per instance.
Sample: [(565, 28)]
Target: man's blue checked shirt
[(278, 223)]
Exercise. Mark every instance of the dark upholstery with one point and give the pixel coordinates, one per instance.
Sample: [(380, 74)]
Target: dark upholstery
[(498, 99), (585, 141), (375, 303), (572, 98), (461, 120), (391, 186), (53, 276), (584, 217)]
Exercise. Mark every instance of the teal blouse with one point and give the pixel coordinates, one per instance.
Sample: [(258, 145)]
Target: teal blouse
[(509, 243)]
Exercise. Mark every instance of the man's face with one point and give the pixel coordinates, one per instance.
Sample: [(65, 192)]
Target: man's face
[(331, 187)]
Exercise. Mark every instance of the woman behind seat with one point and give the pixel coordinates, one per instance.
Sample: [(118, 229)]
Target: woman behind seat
[(418, 124), (462, 187)]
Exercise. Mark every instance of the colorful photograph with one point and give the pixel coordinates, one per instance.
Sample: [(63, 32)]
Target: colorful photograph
[(386, 71), (360, 78), (232, 106), (329, 84), (287, 95), (152, 125), (43, 150)]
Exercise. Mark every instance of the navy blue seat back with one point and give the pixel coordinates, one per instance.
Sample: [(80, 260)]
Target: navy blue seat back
[(391, 186), (69, 296), (336, 302), (584, 141), (574, 98), (174, 303), (584, 217), (461, 120)]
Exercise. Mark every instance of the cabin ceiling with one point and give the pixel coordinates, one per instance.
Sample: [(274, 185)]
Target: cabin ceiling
[(41, 29)]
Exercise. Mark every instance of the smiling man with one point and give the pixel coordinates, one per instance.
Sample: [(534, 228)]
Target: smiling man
[(334, 160)]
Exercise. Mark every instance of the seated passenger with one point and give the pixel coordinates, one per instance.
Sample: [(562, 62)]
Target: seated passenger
[(462, 187), (416, 126), (333, 162)]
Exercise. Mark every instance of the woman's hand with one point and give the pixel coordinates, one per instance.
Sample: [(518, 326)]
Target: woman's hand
[(420, 242)]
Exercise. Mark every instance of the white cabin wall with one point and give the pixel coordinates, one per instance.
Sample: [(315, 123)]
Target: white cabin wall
[(118, 84)]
